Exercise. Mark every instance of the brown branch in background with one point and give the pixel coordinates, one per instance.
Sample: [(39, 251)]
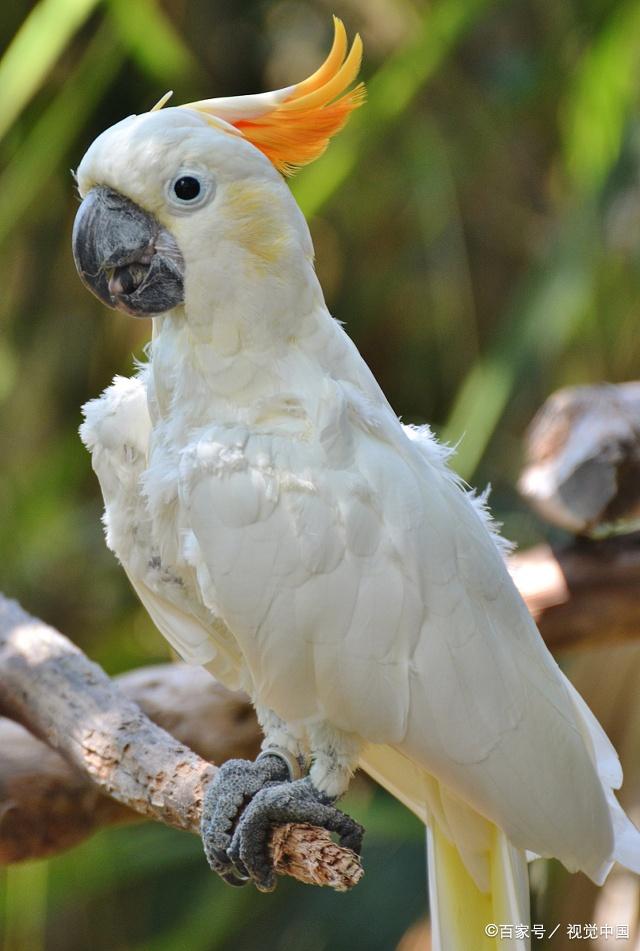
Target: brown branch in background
[(46, 805), (50, 687), (583, 473), (583, 459), (584, 594)]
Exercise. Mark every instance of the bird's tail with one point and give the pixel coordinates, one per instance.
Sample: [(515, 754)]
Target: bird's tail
[(478, 881), (464, 915)]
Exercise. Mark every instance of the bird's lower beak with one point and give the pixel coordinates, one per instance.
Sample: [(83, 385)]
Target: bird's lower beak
[(125, 257)]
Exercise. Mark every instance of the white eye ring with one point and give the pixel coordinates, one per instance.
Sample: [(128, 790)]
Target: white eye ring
[(190, 189)]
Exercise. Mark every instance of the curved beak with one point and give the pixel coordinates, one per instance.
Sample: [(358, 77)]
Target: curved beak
[(125, 257)]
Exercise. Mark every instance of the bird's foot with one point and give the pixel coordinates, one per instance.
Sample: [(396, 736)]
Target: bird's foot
[(236, 783), (274, 805), (243, 805)]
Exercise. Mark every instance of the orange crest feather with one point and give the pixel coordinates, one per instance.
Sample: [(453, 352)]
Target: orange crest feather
[(293, 126)]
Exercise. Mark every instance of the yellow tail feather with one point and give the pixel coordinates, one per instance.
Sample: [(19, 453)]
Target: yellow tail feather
[(477, 879), (464, 918)]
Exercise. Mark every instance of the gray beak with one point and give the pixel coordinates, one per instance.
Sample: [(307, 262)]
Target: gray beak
[(125, 257)]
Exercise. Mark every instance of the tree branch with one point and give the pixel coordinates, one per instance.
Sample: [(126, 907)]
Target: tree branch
[(51, 688), (47, 805), (583, 594), (583, 473), (583, 459)]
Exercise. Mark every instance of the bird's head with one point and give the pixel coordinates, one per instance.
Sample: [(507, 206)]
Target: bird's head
[(175, 196)]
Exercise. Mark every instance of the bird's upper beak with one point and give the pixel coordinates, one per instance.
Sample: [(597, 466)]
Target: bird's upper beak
[(125, 257)]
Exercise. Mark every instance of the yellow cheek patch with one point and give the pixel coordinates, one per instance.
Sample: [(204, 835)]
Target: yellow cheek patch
[(293, 126), (252, 223)]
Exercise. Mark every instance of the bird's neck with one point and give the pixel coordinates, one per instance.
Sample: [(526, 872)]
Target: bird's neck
[(258, 338)]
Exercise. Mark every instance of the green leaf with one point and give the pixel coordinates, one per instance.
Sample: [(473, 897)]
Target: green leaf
[(152, 40), (543, 318), (34, 49), (600, 98), (26, 175)]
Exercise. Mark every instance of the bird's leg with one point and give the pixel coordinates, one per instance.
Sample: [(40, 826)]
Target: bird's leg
[(310, 799), (247, 799), (237, 781)]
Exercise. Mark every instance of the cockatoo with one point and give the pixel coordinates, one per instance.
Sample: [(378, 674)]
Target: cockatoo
[(284, 530)]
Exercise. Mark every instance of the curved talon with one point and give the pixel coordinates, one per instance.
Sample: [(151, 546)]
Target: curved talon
[(276, 804), (236, 783), (220, 862)]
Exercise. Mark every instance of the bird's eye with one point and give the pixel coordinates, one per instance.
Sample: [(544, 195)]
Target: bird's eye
[(187, 188), (190, 189)]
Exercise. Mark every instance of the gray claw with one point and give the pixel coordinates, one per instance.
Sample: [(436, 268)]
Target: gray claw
[(236, 783), (276, 804)]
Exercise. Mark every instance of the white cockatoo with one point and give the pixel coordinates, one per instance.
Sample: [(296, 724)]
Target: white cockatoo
[(284, 530)]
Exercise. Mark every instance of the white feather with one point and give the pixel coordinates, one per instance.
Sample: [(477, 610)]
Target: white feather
[(325, 554)]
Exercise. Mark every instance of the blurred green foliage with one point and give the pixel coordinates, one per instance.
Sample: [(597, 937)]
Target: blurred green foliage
[(477, 226)]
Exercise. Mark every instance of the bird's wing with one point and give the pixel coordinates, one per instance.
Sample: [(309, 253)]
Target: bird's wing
[(116, 431), (289, 541), (489, 705), (194, 641), (364, 585)]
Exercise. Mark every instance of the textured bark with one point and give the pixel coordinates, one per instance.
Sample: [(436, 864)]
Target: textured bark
[(49, 687), (52, 689), (338, 868), (46, 805)]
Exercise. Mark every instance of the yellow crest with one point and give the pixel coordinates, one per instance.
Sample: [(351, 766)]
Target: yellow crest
[(293, 126)]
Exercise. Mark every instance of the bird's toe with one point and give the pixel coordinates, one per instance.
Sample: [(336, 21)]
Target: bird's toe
[(275, 805), (235, 785)]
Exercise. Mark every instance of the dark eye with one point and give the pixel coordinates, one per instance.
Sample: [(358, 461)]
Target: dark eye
[(187, 188)]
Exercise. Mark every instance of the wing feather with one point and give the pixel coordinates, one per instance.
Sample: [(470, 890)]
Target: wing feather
[(363, 585), (368, 589)]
